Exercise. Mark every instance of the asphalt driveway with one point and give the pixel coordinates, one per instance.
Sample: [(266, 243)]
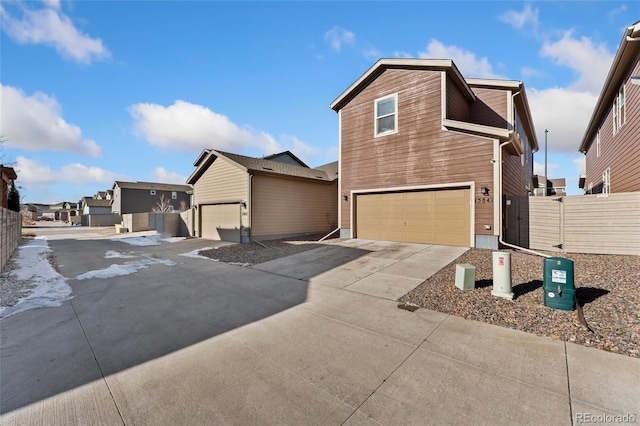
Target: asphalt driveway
[(315, 338)]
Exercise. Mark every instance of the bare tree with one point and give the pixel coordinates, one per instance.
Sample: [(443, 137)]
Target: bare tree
[(162, 206)]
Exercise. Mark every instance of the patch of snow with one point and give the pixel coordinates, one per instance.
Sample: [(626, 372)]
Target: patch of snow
[(127, 268), (144, 240), (174, 239), (196, 253), (32, 266), (112, 254), (239, 264)]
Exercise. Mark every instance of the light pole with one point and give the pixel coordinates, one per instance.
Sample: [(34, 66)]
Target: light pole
[(545, 163)]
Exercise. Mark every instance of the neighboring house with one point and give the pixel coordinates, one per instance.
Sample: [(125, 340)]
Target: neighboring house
[(237, 198), (611, 143), (94, 206), (7, 176), (144, 197), (557, 187), (423, 151)]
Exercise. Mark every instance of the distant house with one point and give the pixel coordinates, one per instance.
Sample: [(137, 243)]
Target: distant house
[(143, 197), (7, 176), (557, 187), (611, 143), (428, 156), (93, 206), (237, 198)]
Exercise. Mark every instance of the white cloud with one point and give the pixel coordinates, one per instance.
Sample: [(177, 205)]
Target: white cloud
[(190, 127), (531, 72), (33, 172), (35, 123), (337, 37), (160, 174), (612, 14), (538, 169), (564, 112), (53, 4), (580, 164), (469, 65), (51, 27), (519, 20), (590, 61)]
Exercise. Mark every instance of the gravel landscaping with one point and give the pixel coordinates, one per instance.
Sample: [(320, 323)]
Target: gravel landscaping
[(264, 251), (607, 288)]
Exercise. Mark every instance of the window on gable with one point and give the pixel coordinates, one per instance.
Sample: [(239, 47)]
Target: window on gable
[(386, 111), (606, 181), (618, 111)]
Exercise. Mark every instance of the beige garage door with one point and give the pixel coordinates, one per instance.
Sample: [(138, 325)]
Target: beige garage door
[(433, 217), (221, 222)]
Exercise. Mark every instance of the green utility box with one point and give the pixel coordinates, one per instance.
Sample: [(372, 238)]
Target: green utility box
[(559, 289)]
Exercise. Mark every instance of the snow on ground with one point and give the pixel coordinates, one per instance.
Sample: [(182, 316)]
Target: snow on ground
[(196, 253), (151, 239), (127, 268), (146, 238), (32, 266)]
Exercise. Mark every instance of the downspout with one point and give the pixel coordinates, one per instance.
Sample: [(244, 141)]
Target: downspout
[(249, 209), (500, 240)]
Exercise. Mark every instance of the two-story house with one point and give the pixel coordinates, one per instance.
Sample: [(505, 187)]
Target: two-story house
[(611, 143), (428, 156), (143, 197)]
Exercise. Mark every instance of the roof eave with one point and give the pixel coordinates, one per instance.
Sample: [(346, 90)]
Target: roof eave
[(399, 63)]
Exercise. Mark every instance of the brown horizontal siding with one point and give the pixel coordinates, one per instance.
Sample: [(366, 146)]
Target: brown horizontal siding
[(286, 206), (490, 108), (420, 154), (457, 104), (221, 182), (620, 152)]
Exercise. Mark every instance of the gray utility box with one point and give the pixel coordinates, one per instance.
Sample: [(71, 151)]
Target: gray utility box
[(465, 276)]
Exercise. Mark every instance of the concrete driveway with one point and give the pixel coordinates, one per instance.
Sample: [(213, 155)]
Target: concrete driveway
[(314, 338)]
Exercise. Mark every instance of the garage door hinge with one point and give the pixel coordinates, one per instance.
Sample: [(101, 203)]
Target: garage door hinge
[(558, 199), (558, 246)]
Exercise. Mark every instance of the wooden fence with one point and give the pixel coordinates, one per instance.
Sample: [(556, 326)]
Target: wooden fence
[(10, 234), (599, 224)]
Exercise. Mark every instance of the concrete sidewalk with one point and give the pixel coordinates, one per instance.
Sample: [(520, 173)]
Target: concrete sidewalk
[(343, 353)]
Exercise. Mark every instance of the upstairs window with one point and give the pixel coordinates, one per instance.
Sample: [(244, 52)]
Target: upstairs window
[(386, 110), (618, 111)]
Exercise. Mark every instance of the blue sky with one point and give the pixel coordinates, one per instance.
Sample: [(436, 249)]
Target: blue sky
[(97, 91)]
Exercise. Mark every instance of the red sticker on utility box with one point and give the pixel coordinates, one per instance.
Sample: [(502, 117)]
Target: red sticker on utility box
[(500, 261)]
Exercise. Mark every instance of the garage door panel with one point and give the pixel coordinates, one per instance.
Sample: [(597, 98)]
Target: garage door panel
[(435, 216), (221, 222)]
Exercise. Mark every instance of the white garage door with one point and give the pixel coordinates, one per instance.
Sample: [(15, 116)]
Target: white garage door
[(220, 222), (432, 217)]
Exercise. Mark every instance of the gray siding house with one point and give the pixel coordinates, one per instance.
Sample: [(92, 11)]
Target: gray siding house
[(143, 197)]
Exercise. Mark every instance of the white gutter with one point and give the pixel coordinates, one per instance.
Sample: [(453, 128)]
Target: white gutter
[(500, 240)]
